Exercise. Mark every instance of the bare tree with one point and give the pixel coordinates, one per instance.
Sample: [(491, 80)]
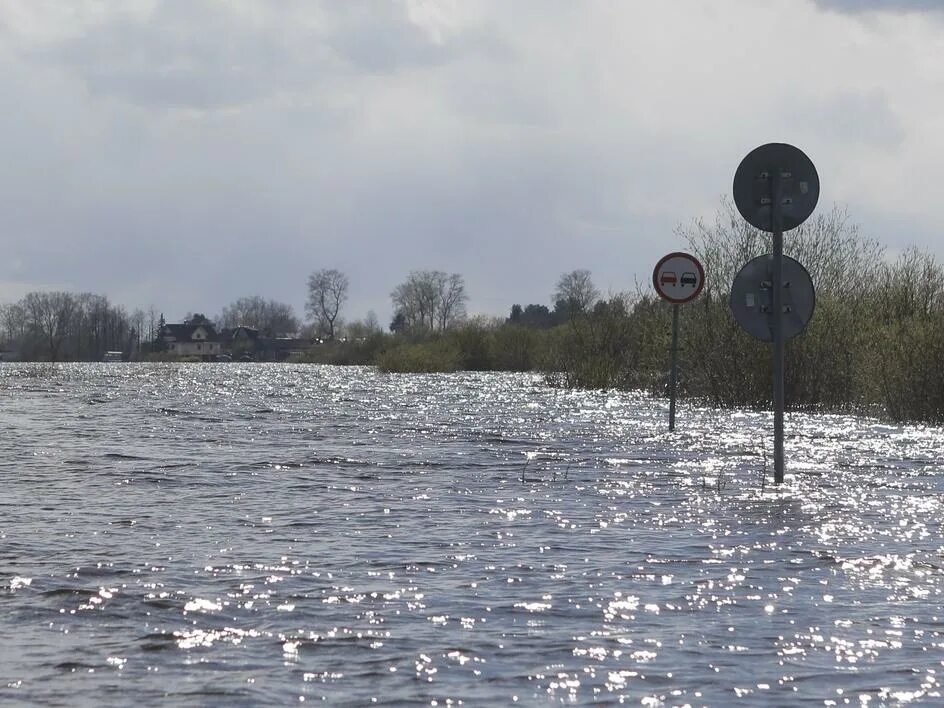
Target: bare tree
[(576, 292), (270, 317), (362, 329), (280, 319), (371, 323), (154, 322), (327, 291), (50, 317), (416, 300), (408, 307), (452, 299), (138, 324), (62, 326), (430, 299), (13, 318)]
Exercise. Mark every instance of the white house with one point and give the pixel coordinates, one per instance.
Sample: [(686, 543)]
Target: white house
[(191, 340)]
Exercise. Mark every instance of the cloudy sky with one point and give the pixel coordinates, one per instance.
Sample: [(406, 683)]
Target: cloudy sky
[(185, 153)]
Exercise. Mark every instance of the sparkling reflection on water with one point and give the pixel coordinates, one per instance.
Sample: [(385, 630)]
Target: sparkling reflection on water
[(232, 534)]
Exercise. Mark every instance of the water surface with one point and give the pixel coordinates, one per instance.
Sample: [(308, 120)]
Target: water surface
[(241, 534)]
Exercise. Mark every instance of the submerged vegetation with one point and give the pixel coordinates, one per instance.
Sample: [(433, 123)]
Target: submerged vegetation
[(875, 339), (875, 342)]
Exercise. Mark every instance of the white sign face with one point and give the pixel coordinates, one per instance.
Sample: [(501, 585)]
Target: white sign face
[(678, 278)]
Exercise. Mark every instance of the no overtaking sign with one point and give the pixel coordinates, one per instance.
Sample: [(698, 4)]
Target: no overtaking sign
[(678, 278)]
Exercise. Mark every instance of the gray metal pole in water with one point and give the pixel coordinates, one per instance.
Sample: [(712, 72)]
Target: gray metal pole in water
[(673, 376), (776, 283)]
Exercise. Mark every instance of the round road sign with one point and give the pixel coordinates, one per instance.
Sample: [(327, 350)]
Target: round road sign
[(754, 185), (678, 278), (752, 297)]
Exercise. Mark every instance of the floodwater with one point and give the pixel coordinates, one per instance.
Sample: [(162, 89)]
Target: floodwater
[(226, 534)]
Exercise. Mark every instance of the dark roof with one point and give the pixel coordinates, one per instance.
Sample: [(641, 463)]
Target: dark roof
[(184, 332), (228, 334), (248, 332)]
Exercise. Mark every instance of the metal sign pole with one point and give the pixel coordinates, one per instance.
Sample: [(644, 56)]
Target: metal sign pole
[(776, 283), (673, 377), (782, 177), (677, 278)]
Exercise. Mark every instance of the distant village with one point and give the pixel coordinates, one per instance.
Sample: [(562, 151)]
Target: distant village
[(63, 326), (201, 341)]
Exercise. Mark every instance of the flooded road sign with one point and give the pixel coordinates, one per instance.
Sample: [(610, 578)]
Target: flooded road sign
[(678, 278), (752, 297), (776, 188), (799, 186)]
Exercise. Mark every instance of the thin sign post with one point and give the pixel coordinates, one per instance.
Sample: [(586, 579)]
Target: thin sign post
[(776, 187), (677, 278), (673, 376), (776, 282)]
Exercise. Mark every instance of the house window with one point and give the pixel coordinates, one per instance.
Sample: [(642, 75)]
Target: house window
[(199, 347)]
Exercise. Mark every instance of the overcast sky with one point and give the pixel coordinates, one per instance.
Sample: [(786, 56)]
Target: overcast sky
[(185, 153)]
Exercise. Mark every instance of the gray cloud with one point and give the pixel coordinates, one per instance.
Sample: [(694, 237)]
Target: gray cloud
[(894, 6), (203, 55), (187, 53), (378, 37), (851, 119), (197, 152)]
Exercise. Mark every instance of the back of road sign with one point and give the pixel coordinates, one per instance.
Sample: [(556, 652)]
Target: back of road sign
[(752, 297), (799, 186)]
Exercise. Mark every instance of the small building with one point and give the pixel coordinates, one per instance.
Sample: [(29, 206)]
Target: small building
[(200, 340), (245, 339), (283, 348), (240, 342)]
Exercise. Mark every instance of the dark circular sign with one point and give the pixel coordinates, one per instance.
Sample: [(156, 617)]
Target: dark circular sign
[(678, 278), (752, 297), (756, 180)]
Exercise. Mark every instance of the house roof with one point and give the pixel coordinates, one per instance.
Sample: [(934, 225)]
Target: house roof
[(185, 332), (248, 332), (228, 334)]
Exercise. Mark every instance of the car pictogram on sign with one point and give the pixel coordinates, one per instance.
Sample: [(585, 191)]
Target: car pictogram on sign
[(668, 278), (689, 278)]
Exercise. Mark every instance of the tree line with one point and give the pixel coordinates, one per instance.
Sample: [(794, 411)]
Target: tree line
[(427, 301), (875, 342), (62, 326)]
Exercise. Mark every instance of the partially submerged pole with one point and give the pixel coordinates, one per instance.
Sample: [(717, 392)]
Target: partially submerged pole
[(673, 375), (776, 188), (776, 283)]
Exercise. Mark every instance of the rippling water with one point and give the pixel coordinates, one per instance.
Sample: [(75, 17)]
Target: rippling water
[(229, 534)]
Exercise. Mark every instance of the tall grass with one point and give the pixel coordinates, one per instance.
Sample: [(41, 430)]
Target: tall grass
[(433, 356)]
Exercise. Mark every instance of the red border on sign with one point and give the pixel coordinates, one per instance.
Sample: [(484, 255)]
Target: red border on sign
[(701, 277)]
